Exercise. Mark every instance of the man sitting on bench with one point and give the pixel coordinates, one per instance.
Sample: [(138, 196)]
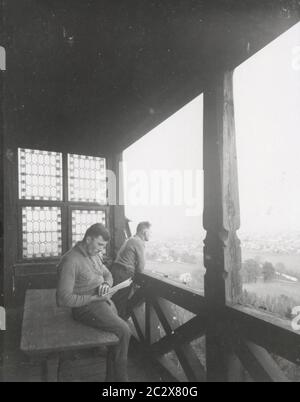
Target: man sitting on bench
[(83, 282)]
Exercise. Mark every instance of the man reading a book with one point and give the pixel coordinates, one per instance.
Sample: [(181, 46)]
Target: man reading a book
[(83, 283)]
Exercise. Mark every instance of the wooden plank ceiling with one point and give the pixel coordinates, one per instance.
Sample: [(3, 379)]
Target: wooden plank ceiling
[(95, 75)]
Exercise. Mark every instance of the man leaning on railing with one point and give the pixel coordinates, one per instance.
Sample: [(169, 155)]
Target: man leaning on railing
[(130, 261)]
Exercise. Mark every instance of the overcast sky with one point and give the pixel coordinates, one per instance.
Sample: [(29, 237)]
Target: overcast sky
[(267, 105), (176, 146)]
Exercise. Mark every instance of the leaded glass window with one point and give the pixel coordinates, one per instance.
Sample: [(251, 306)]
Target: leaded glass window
[(82, 220), (87, 179), (40, 175), (45, 206), (41, 232)]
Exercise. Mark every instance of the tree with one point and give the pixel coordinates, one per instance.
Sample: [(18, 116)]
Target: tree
[(152, 256), (280, 267), (250, 271), (269, 272), (174, 254), (189, 258)]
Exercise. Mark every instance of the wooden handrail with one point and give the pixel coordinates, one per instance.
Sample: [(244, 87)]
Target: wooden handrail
[(263, 328), (254, 334), (266, 330), (176, 293)]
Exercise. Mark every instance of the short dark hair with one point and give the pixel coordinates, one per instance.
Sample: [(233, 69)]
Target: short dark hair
[(96, 230), (143, 225)]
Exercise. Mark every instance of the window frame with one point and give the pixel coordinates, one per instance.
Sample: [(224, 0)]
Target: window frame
[(66, 208)]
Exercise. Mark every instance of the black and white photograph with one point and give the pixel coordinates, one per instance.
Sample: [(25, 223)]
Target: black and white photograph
[(150, 193)]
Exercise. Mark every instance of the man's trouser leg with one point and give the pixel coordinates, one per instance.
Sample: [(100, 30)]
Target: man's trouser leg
[(120, 274), (104, 316)]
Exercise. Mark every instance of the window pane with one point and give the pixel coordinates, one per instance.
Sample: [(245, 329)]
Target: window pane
[(41, 228), (164, 185), (40, 175), (87, 179), (268, 144), (82, 220)]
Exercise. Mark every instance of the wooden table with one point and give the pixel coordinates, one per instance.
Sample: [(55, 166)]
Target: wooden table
[(49, 331)]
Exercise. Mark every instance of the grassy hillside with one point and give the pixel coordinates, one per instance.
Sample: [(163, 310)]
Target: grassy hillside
[(275, 289), (291, 261)]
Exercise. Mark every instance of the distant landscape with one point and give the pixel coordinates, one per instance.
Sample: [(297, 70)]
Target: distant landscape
[(181, 260), (271, 280), (291, 261), (275, 289)]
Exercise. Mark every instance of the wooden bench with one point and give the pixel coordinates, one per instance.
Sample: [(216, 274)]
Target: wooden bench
[(48, 332)]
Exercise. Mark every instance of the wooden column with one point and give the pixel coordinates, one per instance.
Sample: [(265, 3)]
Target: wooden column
[(116, 200), (2, 302), (222, 256), (152, 323), (10, 169), (50, 369)]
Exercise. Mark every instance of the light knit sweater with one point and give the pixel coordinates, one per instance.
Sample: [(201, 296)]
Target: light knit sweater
[(132, 255), (79, 277)]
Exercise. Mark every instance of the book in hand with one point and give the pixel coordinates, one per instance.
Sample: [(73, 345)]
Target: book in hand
[(118, 287)]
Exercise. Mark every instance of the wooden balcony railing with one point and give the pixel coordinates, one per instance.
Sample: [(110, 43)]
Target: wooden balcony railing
[(248, 337)]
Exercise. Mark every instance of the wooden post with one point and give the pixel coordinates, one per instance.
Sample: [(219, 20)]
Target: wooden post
[(152, 323), (109, 377), (9, 153), (222, 256), (2, 301), (50, 369), (10, 168), (116, 201)]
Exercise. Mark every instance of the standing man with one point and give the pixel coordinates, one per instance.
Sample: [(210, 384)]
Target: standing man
[(82, 284), (130, 261)]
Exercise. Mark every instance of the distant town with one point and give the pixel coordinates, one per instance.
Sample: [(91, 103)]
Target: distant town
[(175, 250), (282, 251), (279, 244), (190, 249)]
